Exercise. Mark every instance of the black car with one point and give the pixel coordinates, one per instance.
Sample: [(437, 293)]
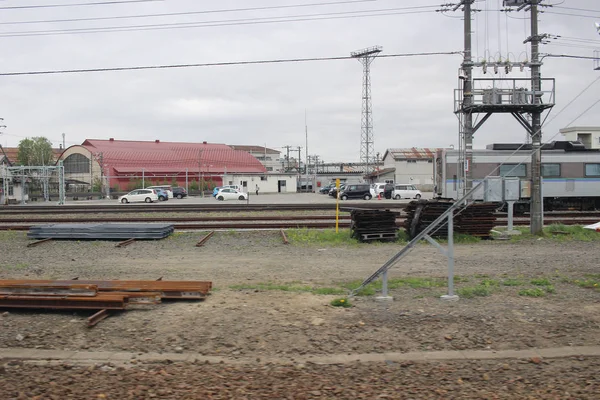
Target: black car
[(333, 192), (179, 192), (358, 191)]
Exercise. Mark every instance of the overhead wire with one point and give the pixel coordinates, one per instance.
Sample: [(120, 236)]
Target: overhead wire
[(216, 23), (220, 64), (182, 13), (96, 3)]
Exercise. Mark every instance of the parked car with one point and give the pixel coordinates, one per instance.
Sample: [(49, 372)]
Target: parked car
[(378, 188), (216, 189), (360, 191), (179, 192), (166, 188), (406, 191), (231, 194), (326, 189), (333, 192), (162, 195), (139, 195)]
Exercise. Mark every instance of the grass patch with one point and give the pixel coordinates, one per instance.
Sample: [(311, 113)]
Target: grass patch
[(512, 282), (292, 287), (588, 283), (490, 283), (474, 291), (533, 292), (329, 291), (559, 233), (395, 283), (320, 237), (343, 302), (541, 282)]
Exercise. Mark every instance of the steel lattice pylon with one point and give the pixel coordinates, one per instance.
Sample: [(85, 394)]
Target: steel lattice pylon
[(367, 146)]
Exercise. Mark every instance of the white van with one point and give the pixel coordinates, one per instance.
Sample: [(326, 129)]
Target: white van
[(377, 188), (166, 188), (406, 191)]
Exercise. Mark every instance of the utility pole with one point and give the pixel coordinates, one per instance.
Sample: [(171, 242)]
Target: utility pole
[(467, 120), (287, 157), (507, 96), (367, 152), (536, 209), (306, 148)]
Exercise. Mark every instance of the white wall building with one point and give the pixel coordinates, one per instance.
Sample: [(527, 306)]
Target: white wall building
[(411, 165), (267, 183), (270, 158), (588, 135)]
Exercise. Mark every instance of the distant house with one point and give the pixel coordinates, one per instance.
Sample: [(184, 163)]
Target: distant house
[(121, 163), (409, 165), (270, 158)]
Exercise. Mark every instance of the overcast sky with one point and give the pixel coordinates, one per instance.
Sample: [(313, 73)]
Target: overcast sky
[(265, 104)]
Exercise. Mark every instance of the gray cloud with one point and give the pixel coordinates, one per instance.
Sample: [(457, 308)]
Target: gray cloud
[(265, 104)]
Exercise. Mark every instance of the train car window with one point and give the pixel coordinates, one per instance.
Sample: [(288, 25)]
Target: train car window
[(592, 169), (551, 170), (513, 170)]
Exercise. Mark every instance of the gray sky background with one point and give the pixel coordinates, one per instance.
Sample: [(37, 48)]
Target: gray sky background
[(265, 104)]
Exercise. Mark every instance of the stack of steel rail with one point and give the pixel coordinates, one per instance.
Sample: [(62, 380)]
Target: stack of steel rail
[(477, 219), (373, 225), (100, 231), (95, 295)]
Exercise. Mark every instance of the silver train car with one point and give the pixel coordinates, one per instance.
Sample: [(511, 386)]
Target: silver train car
[(570, 173)]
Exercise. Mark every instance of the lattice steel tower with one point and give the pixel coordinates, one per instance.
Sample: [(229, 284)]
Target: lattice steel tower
[(367, 147)]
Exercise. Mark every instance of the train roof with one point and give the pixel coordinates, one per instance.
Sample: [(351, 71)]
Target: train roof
[(556, 145)]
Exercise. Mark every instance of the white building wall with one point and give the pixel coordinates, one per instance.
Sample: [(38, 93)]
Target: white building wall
[(267, 183), (416, 172), (589, 136)]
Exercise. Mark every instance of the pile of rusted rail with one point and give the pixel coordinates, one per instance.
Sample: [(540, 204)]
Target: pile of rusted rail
[(373, 225), (95, 294), (101, 231), (477, 219)]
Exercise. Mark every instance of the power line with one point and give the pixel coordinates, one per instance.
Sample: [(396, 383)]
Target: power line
[(217, 23), (570, 56), (572, 15), (576, 9), (220, 64), (97, 3), (172, 14)]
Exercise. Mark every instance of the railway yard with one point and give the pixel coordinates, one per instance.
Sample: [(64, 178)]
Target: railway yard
[(268, 329)]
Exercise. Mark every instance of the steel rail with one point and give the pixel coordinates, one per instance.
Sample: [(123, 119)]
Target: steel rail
[(219, 207), (84, 219), (316, 225)]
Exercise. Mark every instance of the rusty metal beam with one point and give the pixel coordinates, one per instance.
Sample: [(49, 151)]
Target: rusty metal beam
[(174, 289), (101, 301), (39, 242), (205, 239), (77, 290), (99, 316), (285, 240), (125, 243)]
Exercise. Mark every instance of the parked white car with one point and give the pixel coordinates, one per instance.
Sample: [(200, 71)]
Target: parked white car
[(231, 194), (139, 195), (406, 191)]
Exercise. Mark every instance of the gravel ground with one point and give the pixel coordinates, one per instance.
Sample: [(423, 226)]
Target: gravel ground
[(255, 322), (555, 379)]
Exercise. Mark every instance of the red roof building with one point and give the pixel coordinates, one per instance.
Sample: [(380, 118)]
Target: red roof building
[(158, 162)]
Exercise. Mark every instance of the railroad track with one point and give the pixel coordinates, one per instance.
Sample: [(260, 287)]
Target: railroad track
[(217, 207), (307, 222)]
